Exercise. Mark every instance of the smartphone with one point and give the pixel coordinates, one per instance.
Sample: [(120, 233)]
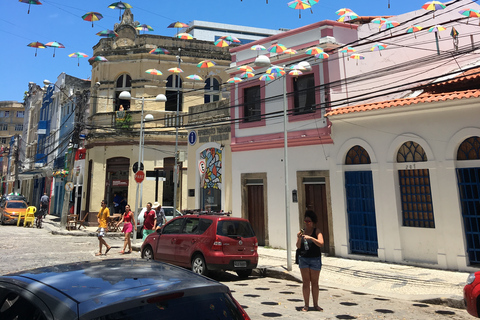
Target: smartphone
[(302, 231)]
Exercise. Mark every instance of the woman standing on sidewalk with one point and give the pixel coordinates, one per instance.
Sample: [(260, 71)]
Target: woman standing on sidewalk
[(309, 241), (127, 228)]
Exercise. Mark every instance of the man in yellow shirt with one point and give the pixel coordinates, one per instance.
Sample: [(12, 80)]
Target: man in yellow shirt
[(102, 226)]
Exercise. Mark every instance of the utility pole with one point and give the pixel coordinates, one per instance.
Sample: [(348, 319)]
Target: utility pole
[(16, 183), (80, 102)]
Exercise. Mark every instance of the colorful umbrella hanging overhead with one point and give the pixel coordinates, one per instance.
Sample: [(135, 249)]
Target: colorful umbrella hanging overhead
[(154, 72), (36, 45), (347, 50), (177, 25), (342, 11), (437, 29), (144, 27), (234, 80), (357, 57), (107, 33), (185, 36), (194, 77), (221, 43), (413, 29), (470, 13), (277, 48), (433, 6), (258, 48), (78, 55), (298, 66), (120, 5), (230, 39), (247, 74), (389, 25), (295, 73), (159, 51), (206, 64), (313, 51), (54, 45), (175, 70), (300, 5), (378, 47), (30, 2), (349, 16), (267, 77), (98, 58), (379, 20), (322, 55), (92, 16), (246, 68), (290, 51), (276, 70)]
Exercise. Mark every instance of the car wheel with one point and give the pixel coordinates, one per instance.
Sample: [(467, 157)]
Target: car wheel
[(244, 273), (198, 265), (147, 253)]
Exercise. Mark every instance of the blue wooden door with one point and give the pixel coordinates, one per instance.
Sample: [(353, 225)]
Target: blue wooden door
[(469, 187), (362, 225)]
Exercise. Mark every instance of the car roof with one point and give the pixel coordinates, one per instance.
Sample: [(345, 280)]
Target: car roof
[(98, 283)]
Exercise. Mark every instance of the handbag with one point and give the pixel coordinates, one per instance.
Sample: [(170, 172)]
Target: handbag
[(297, 254)]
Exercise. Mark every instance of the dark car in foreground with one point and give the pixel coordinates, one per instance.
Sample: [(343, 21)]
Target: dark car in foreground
[(471, 293), (115, 289), (204, 242)]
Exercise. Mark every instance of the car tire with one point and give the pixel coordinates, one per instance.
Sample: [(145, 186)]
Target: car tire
[(198, 265), (244, 273), (147, 253)]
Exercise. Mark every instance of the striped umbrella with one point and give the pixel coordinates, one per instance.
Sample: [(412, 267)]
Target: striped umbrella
[(185, 36), (267, 77), (175, 70), (230, 39), (234, 80), (30, 2), (290, 51), (357, 57), (342, 11), (437, 29), (154, 72), (277, 48), (206, 64), (300, 5), (37, 45), (107, 33), (98, 58), (194, 77), (54, 45), (144, 27), (78, 55), (221, 43), (433, 6), (349, 16), (246, 68), (247, 74), (313, 51), (378, 47), (295, 73), (92, 16), (276, 70), (322, 55), (413, 29), (159, 51)]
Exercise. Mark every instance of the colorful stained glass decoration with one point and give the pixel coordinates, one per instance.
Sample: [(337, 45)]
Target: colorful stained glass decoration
[(213, 174)]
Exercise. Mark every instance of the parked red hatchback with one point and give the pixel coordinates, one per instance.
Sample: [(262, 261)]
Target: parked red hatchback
[(471, 293), (205, 243)]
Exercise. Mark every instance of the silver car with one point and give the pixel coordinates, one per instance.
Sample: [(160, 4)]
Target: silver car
[(115, 289), (169, 215)]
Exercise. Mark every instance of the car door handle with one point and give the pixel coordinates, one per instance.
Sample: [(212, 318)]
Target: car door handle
[(173, 241), (193, 241)]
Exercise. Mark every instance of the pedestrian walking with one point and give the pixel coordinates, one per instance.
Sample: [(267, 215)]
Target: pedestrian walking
[(160, 218), (102, 217), (148, 221), (309, 241), (117, 200), (44, 200), (129, 222)]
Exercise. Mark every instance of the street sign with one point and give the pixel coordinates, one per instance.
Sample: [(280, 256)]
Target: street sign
[(192, 137), (69, 186), (202, 166), (135, 167), (139, 176)]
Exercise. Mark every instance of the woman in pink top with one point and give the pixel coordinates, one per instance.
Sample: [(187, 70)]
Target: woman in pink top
[(129, 220)]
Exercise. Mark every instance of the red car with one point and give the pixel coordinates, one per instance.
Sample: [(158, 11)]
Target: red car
[(205, 243), (471, 293)]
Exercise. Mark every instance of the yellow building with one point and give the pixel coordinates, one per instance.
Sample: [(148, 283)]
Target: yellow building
[(114, 124)]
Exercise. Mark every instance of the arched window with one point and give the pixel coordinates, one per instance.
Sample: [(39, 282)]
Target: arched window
[(212, 90), (469, 149), (174, 87), (415, 191), (357, 155), (411, 152), (123, 83)]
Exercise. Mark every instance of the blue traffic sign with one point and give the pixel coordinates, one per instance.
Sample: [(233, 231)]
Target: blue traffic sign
[(192, 137)]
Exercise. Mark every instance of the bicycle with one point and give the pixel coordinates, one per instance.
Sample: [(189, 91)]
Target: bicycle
[(39, 216)]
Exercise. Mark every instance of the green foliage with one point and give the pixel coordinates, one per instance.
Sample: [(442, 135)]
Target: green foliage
[(124, 123)]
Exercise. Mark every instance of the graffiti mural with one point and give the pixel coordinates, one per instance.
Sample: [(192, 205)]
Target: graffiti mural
[(211, 180)]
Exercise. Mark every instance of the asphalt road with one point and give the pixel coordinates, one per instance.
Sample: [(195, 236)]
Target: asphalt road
[(26, 248)]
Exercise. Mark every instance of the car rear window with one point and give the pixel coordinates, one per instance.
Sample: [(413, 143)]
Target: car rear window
[(235, 228), (196, 225), (206, 306), (16, 205)]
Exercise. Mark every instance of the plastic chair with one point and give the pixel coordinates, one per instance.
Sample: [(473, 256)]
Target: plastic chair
[(30, 216)]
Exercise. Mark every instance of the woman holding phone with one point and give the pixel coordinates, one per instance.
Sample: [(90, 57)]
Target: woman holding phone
[(309, 241)]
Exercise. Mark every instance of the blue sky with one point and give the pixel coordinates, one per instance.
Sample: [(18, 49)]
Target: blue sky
[(60, 20)]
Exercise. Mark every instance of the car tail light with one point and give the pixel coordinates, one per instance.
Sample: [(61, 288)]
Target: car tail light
[(244, 314), (217, 244)]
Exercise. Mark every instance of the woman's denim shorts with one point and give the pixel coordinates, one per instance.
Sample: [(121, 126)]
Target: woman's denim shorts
[(314, 263)]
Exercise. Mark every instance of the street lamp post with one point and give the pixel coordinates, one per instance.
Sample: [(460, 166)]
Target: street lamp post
[(175, 169), (125, 95)]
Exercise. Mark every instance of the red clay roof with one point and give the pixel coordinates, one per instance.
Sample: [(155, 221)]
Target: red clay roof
[(423, 98)]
